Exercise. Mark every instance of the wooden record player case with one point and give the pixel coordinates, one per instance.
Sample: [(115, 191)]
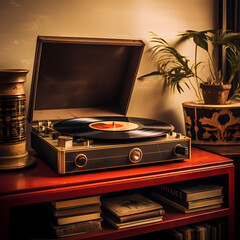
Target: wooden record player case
[(82, 77)]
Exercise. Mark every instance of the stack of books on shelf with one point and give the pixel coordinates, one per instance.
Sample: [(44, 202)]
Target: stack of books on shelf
[(74, 216), (212, 230), (190, 196), (131, 210)]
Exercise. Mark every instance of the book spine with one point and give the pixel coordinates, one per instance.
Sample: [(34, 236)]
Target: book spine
[(173, 197), (76, 211), (69, 203), (78, 218), (89, 226), (173, 234), (171, 191), (156, 213), (208, 231)]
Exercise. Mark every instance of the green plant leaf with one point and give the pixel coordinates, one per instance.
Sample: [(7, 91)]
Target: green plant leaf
[(176, 68), (201, 41), (233, 57), (200, 38), (150, 74), (236, 94)]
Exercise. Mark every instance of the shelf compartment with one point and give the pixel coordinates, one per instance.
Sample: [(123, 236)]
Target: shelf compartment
[(171, 219)]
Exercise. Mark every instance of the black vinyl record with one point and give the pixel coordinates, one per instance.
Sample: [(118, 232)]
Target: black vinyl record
[(113, 128)]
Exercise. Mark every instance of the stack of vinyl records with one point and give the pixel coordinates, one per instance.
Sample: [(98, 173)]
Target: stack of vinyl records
[(74, 216), (131, 210), (190, 196)]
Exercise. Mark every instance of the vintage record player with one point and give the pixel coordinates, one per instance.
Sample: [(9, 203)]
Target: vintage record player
[(79, 98)]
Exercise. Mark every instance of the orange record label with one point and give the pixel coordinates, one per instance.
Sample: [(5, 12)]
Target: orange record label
[(113, 126)]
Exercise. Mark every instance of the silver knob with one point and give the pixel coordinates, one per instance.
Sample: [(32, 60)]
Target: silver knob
[(135, 155), (81, 160)]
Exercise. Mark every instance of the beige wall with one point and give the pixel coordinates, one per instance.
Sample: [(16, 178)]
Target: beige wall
[(22, 20)]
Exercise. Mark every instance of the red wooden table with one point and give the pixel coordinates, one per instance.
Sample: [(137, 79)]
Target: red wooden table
[(41, 184)]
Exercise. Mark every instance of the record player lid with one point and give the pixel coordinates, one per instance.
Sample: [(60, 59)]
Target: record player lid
[(79, 77)]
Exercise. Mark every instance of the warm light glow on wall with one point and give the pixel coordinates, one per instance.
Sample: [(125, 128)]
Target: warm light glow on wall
[(21, 22)]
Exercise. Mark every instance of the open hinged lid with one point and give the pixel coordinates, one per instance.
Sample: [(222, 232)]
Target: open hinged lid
[(82, 77)]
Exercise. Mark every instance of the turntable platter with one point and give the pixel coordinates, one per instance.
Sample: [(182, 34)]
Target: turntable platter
[(113, 128)]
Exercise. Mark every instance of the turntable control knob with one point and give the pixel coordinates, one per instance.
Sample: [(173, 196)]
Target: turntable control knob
[(81, 160), (135, 155), (180, 150)]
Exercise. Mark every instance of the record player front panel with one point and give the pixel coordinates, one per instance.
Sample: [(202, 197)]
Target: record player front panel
[(100, 156)]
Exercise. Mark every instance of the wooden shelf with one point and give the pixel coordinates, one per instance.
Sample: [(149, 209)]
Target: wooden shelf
[(171, 219), (41, 184)]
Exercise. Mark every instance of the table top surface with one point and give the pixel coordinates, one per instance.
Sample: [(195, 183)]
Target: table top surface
[(224, 150)]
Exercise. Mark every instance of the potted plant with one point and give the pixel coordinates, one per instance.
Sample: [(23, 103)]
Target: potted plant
[(212, 120)]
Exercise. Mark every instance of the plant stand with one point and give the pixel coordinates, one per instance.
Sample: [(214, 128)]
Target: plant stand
[(212, 124)]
